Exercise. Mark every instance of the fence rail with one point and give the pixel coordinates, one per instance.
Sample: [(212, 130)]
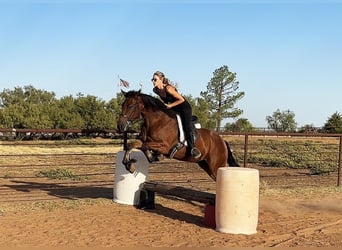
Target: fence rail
[(247, 145), (248, 135), (23, 133)]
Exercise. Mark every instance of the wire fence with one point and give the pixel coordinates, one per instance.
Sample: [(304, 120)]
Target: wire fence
[(318, 152), (23, 164)]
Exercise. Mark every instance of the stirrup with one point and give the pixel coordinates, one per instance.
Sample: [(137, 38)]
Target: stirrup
[(195, 153)]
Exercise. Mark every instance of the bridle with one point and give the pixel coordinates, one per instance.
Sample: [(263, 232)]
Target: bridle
[(129, 120)]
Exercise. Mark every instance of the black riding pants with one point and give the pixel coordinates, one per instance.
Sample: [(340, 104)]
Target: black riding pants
[(185, 112)]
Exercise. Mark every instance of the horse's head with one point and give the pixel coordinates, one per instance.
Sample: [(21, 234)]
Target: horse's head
[(131, 109)]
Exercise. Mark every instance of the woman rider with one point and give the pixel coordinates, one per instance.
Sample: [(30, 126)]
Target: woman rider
[(175, 101)]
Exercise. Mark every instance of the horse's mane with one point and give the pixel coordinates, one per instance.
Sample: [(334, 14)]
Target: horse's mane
[(152, 102)]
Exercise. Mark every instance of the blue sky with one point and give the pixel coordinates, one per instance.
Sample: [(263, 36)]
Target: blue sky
[(286, 54)]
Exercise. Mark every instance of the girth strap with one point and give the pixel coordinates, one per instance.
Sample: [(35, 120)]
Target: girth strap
[(175, 149)]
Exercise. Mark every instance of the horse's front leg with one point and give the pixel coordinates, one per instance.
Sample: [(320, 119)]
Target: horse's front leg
[(126, 160), (150, 149), (157, 147)]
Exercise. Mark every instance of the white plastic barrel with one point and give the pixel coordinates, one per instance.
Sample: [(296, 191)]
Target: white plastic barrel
[(237, 200), (127, 186)]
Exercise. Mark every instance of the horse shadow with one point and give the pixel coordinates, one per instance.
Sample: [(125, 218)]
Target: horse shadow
[(174, 214), (69, 192), (61, 190), (177, 215)]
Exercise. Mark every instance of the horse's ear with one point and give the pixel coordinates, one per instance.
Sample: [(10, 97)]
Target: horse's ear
[(123, 92), (139, 91)]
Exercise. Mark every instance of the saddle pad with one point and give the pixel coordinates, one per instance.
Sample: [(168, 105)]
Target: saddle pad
[(181, 131)]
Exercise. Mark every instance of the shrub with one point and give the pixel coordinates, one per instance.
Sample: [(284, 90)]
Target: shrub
[(58, 173)]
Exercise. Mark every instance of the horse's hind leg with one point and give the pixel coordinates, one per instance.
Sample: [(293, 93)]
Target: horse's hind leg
[(204, 165)]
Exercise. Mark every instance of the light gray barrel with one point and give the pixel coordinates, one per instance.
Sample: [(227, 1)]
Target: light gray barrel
[(237, 200), (127, 186)]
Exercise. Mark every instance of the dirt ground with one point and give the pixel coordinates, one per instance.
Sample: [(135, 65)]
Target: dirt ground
[(295, 210)]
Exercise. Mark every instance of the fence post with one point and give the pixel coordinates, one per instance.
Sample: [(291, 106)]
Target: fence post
[(245, 151), (125, 140), (339, 174)]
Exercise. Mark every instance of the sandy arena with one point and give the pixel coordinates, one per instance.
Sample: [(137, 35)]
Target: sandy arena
[(296, 210)]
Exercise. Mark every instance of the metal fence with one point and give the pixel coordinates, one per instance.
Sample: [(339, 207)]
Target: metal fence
[(247, 145), (96, 170), (27, 134), (22, 134)]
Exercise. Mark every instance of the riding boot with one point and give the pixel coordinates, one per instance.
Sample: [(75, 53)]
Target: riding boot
[(194, 152)]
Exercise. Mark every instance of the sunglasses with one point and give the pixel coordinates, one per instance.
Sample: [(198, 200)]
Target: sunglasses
[(154, 79)]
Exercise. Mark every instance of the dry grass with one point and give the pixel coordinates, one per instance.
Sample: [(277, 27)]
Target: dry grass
[(84, 146), (49, 156), (302, 192), (37, 149)]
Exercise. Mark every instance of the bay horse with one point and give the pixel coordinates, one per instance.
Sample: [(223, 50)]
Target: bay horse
[(159, 135)]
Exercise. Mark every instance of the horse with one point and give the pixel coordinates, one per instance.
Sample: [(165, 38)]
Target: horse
[(159, 135)]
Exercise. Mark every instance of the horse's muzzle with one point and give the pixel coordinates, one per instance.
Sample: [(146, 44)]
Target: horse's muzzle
[(123, 126)]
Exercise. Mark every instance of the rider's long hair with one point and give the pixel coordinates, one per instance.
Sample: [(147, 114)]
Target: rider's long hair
[(164, 79)]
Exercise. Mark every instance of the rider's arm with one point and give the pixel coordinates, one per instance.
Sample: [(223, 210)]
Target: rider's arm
[(179, 98)]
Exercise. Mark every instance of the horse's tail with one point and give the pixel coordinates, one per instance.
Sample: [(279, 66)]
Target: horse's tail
[(231, 160)]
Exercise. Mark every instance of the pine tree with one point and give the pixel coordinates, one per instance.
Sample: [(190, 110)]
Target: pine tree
[(333, 124), (222, 94)]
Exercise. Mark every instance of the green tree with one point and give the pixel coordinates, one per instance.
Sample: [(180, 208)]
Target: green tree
[(308, 128), (94, 113), (241, 125), (200, 108), (282, 121), (221, 96), (333, 124), (66, 115), (26, 107), (114, 105)]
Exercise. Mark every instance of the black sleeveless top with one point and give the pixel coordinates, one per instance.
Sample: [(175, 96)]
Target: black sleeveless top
[(168, 98), (184, 109)]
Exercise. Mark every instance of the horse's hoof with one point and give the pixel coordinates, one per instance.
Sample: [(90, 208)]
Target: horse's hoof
[(130, 167)]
